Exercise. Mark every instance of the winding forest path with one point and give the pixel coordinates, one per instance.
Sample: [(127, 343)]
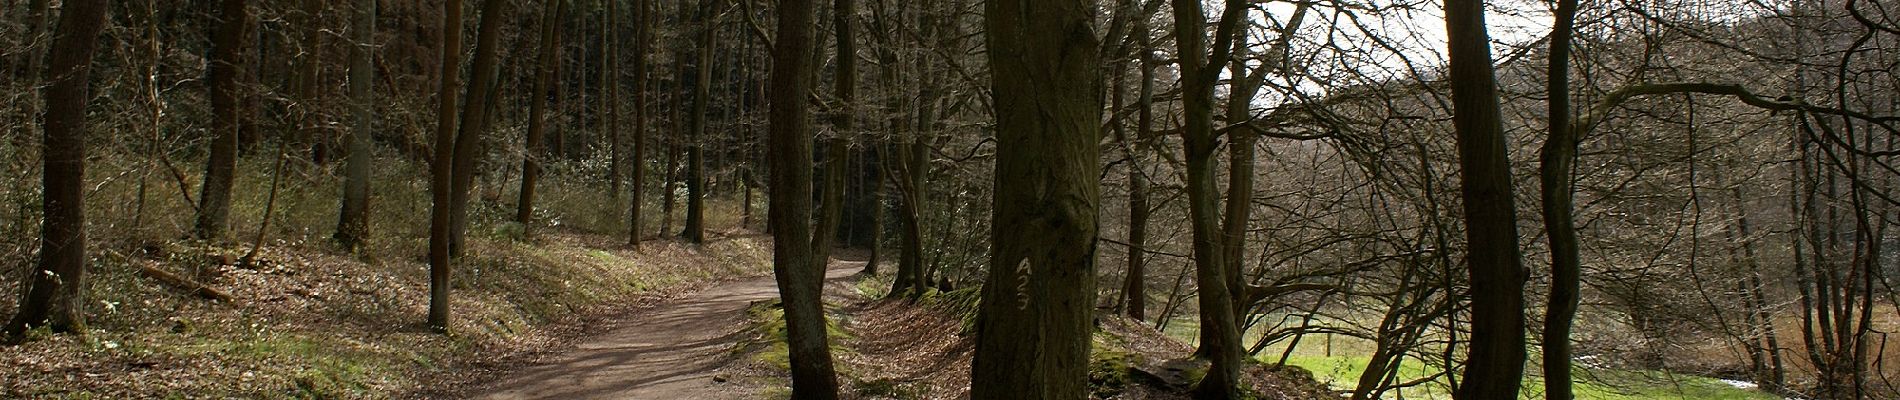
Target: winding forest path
[(670, 351)]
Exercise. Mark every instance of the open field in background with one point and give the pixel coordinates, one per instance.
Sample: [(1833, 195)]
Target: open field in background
[(1338, 361)]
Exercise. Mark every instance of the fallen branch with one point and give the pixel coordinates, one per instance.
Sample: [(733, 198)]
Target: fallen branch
[(196, 288)]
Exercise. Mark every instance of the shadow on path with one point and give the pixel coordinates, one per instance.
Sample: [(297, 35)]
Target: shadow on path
[(670, 351)]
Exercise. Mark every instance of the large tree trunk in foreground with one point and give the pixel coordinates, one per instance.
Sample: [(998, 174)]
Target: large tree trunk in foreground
[(353, 220), (1558, 159), (800, 279), (214, 198), (1494, 366), (1033, 328), (537, 112), (55, 294), (441, 166)]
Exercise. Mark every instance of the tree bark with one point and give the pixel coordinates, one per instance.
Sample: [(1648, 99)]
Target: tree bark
[(1033, 327), (214, 207), (642, 37), (55, 294), (1559, 157), (353, 220), (537, 112), (610, 89), (837, 152), (910, 257), (1240, 165), (1134, 290), (309, 59), (694, 228), (800, 280), (1200, 70), (1495, 360), (442, 166), (475, 119)]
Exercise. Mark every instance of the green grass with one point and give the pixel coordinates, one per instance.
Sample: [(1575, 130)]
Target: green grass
[(1341, 372), (769, 319), (1340, 368)]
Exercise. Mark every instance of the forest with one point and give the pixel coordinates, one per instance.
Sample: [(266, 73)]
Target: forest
[(925, 199)]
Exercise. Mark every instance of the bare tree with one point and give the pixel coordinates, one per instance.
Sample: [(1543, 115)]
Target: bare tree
[(55, 292), (537, 110), (353, 220), (214, 206), (1495, 362)]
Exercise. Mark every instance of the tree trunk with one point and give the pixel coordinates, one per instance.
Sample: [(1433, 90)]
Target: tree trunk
[(1135, 289), (353, 220), (55, 295), (1559, 158), (1200, 70), (837, 152), (1240, 164), (214, 207), (610, 89), (1033, 327), (694, 228), (1495, 360), (537, 112), (669, 190), (696, 175), (800, 280), (29, 73), (642, 37), (441, 167), (309, 58), (910, 257), (875, 185), (475, 119)]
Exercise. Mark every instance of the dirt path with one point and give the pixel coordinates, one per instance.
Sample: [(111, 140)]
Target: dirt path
[(670, 351)]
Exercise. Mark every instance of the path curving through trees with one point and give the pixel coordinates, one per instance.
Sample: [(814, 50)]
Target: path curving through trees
[(670, 351)]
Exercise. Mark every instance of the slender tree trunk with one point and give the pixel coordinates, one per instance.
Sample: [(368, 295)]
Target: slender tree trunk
[(837, 151), (308, 60), (910, 258), (876, 183), (1558, 160), (694, 229), (1033, 327), (642, 38), (610, 89), (214, 208), (669, 190), (353, 220), (537, 111), (476, 113), (441, 167), (800, 279), (1200, 70), (1240, 175), (1495, 360), (55, 294), (1758, 302), (30, 72), (1135, 289)]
